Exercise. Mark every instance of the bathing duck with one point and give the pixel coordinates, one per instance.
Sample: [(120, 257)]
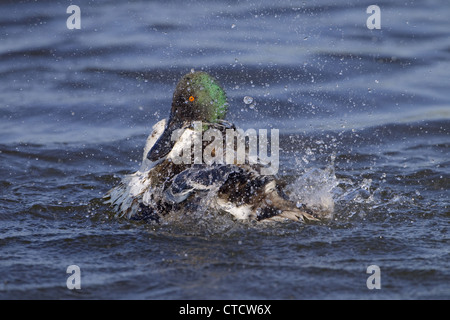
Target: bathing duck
[(172, 178)]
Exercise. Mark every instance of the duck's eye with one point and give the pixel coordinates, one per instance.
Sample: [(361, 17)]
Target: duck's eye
[(191, 98)]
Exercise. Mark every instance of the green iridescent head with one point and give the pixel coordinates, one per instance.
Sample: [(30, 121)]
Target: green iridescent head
[(198, 97)]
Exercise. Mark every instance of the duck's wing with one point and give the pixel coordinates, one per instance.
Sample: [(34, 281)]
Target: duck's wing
[(250, 196), (198, 178), (240, 191)]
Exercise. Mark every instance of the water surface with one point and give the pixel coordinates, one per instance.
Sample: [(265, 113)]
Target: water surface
[(364, 119)]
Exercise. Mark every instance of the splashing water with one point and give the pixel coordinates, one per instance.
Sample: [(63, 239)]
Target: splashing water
[(342, 199), (248, 100), (315, 188), (333, 197)]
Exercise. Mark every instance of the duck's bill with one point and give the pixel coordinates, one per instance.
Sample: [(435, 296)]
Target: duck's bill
[(163, 145)]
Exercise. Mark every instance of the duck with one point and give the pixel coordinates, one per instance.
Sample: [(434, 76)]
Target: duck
[(164, 184)]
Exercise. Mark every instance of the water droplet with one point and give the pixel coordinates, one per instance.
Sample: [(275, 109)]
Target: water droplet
[(248, 100)]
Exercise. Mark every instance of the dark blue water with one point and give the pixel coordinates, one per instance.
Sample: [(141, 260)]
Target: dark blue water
[(364, 119)]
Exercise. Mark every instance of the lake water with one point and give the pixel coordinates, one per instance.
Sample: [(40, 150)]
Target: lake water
[(364, 120)]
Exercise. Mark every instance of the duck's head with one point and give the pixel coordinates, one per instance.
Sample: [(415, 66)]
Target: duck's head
[(197, 97)]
